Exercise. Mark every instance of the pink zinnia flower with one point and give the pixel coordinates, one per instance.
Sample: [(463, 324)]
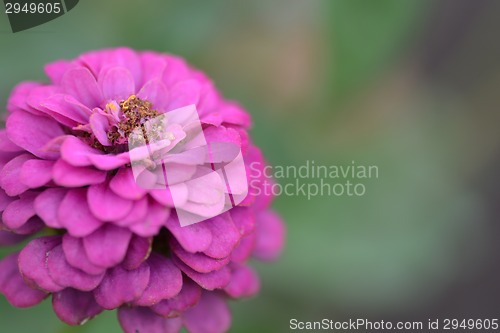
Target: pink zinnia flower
[(100, 241)]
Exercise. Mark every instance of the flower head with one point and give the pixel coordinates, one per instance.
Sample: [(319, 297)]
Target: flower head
[(97, 167)]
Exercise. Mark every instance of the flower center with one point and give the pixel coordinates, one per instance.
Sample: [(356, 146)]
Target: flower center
[(135, 112)]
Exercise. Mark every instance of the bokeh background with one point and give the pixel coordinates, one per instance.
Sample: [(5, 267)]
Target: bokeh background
[(409, 86)]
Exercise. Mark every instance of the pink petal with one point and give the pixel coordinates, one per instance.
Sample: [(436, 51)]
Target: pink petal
[(75, 307), (56, 70), (6, 145), (47, 205), (10, 174), (138, 251), (137, 214), (67, 175), (153, 66), (68, 107), (19, 212), (197, 261), (106, 205), (121, 286), (209, 281), (183, 94), (244, 219), (140, 319), (32, 226), (36, 173), (66, 275), (124, 185), (210, 315), (193, 238), (99, 125), (155, 92), (75, 255), (8, 238), (74, 214), (18, 98), (116, 83), (244, 282), (225, 236), (155, 219), (187, 298), (13, 287), (98, 61), (32, 263), (81, 84), (33, 133), (107, 246), (244, 249), (270, 234), (165, 281)]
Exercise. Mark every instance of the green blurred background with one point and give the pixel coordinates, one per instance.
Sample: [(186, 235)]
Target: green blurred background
[(409, 86)]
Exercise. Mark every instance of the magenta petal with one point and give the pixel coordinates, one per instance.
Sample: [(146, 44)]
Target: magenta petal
[(55, 70), (75, 255), (33, 133), (10, 174), (32, 263), (187, 298), (67, 106), (13, 287), (244, 219), (76, 152), (75, 215), (156, 218), (66, 275), (165, 281), (36, 173), (244, 282), (138, 251), (244, 249), (64, 174), (47, 206), (107, 246), (33, 225), (81, 84), (9, 238), (141, 319), (99, 125), (18, 98), (121, 286), (124, 185), (183, 94), (6, 145), (106, 205), (270, 233), (210, 315), (137, 214), (209, 281), (116, 83), (75, 307), (197, 261), (193, 238), (155, 92), (225, 236), (19, 212)]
